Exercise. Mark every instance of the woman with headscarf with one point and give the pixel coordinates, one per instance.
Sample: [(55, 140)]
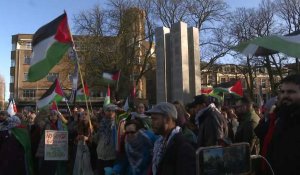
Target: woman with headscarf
[(139, 144)]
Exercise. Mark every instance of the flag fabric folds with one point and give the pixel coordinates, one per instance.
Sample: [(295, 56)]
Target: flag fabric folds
[(107, 98), (232, 87), (112, 76), (82, 92), (49, 44), (54, 106), (12, 108), (54, 93), (263, 46)]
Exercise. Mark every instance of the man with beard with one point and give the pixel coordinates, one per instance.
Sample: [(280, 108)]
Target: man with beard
[(172, 153), (248, 120), (283, 150)]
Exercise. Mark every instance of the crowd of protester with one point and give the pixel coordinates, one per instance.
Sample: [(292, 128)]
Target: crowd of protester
[(161, 141)]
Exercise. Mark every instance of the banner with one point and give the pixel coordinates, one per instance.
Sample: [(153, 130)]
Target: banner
[(56, 145)]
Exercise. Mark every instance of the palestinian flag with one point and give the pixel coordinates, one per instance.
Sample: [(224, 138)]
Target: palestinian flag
[(232, 87), (109, 77), (22, 135), (49, 45), (210, 92), (107, 98), (54, 106), (82, 92), (268, 45), (206, 90), (54, 93)]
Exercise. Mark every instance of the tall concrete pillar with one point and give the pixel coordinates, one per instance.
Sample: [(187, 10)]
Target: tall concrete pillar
[(178, 63), (194, 61), (161, 55), (180, 84)]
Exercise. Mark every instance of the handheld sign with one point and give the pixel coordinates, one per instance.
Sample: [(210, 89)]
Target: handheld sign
[(56, 145)]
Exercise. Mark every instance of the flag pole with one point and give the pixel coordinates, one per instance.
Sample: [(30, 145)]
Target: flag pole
[(118, 80), (65, 98), (80, 74), (68, 107)]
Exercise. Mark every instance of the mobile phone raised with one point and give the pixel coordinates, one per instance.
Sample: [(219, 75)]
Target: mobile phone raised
[(233, 159)]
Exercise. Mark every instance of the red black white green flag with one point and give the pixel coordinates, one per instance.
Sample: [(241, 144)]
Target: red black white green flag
[(49, 45), (54, 93), (232, 87), (82, 92)]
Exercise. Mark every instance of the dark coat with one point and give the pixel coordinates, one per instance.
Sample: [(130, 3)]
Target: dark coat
[(212, 127), (245, 130), (284, 149), (12, 155), (179, 158)]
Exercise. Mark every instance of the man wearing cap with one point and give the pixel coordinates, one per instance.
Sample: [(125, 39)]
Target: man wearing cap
[(210, 122), (172, 153)]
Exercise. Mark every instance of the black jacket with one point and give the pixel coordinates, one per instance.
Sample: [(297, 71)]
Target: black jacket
[(179, 158), (212, 127), (284, 149)]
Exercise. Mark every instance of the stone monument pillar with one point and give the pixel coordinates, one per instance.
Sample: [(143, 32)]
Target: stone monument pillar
[(178, 63), (161, 55)]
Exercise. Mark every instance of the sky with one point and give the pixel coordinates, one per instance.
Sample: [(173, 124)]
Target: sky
[(26, 16)]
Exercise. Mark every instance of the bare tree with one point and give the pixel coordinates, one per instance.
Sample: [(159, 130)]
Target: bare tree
[(289, 12), (127, 46), (247, 24), (90, 22), (170, 12)]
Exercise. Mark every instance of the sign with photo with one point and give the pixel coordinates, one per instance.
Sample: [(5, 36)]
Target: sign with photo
[(56, 145)]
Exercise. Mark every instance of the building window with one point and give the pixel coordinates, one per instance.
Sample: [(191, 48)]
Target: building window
[(28, 45), (12, 79), (223, 80), (262, 70), (29, 93), (263, 83), (13, 63), (210, 79), (52, 76), (13, 46), (232, 69), (25, 76), (27, 60)]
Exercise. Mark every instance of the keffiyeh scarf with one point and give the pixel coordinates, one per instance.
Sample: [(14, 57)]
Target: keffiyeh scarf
[(107, 130), (136, 150), (160, 148)]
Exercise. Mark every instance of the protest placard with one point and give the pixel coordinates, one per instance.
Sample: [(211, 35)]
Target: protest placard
[(56, 145)]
